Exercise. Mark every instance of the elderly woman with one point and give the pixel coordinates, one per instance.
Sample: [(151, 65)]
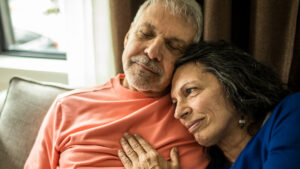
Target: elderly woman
[(231, 104)]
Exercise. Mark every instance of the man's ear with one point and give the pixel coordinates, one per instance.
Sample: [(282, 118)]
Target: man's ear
[(127, 35)]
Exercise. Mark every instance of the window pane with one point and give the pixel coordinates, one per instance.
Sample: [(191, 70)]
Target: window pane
[(38, 25)]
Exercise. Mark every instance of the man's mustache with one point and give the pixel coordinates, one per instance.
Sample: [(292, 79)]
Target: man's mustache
[(144, 60)]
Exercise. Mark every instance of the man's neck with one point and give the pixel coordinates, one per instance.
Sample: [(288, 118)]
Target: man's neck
[(125, 84)]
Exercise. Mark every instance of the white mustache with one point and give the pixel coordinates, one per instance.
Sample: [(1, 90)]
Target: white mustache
[(147, 62)]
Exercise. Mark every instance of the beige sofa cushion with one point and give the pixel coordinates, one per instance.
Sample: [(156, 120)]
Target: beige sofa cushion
[(2, 98), (26, 103)]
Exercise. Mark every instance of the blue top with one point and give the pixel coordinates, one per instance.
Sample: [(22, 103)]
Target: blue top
[(277, 143)]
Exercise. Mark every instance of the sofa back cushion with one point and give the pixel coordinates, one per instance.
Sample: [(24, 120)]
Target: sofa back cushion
[(25, 106)]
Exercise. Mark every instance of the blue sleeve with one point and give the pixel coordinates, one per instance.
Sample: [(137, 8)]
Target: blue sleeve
[(284, 140)]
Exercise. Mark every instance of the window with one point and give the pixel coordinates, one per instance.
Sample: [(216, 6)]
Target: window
[(33, 28)]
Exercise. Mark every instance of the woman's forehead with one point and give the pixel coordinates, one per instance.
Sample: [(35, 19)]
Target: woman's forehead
[(183, 74)]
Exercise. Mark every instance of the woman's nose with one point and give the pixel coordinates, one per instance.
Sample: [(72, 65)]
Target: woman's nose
[(182, 113)]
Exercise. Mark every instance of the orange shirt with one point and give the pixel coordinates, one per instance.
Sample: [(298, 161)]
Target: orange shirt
[(82, 129)]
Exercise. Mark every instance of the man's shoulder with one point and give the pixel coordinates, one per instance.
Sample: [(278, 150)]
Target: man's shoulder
[(85, 92)]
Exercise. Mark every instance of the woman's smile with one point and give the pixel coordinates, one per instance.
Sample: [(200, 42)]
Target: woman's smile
[(194, 125)]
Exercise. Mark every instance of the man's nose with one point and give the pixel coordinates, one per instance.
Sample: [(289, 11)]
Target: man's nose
[(154, 49), (182, 112)]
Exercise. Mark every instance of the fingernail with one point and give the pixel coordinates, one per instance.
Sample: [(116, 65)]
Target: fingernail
[(126, 134), (175, 149), (136, 135), (120, 152)]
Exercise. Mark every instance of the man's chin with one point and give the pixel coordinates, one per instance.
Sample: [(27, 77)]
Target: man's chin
[(143, 85)]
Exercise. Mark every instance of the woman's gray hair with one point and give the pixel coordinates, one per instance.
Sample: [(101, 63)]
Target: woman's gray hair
[(188, 9), (252, 88)]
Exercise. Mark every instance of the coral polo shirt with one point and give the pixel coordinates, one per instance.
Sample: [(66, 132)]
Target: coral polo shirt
[(83, 129)]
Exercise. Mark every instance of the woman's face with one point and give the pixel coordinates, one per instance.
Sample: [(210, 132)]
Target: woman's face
[(201, 105)]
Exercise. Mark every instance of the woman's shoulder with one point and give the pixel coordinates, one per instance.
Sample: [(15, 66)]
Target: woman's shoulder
[(294, 96), (287, 112), (278, 138), (291, 102)]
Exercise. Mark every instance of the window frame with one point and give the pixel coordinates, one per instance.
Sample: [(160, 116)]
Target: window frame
[(7, 38)]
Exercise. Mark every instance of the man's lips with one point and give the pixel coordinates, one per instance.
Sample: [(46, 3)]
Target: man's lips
[(192, 126), (147, 68)]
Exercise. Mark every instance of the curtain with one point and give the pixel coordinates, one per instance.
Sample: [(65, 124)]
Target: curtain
[(89, 52), (79, 49), (122, 14), (267, 29)]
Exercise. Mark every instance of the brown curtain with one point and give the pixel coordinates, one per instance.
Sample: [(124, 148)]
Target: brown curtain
[(267, 29), (122, 14)]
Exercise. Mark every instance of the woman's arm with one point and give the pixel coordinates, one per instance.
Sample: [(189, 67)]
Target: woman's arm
[(139, 154)]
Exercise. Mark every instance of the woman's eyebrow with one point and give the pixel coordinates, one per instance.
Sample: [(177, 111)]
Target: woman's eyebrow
[(180, 89)]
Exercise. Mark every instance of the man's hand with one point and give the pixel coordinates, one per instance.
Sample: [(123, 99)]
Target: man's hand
[(139, 154)]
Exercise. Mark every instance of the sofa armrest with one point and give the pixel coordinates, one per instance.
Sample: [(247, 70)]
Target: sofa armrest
[(24, 108), (2, 99)]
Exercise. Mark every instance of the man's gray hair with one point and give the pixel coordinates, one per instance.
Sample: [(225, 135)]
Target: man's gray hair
[(188, 9)]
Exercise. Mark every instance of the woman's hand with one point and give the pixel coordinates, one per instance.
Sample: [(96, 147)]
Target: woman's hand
[(138, 154)]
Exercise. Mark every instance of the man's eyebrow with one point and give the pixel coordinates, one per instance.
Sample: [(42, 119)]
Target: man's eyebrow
[(148, 25), (171, 39), (174, 39)]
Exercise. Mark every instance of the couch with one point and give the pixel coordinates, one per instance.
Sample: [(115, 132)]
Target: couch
[(22, 108)]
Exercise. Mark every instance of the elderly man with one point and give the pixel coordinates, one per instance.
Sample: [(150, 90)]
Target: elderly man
[(82, 128)]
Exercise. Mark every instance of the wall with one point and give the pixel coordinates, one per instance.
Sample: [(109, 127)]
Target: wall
[(48, 70)]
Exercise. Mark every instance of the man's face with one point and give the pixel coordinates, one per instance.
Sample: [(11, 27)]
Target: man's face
[(152, 46)]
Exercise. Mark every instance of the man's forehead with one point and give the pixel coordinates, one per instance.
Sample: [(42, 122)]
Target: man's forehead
[(162, 20)]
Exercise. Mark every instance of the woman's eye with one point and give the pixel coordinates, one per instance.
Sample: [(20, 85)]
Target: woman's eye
[(189, 90)]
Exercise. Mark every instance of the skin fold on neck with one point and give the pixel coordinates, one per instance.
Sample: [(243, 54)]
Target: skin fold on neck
[(233, 145)]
